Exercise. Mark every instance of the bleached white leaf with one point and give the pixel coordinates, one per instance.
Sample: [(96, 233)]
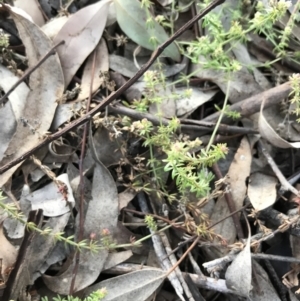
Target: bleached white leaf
[(52, 28), (32, 9), (51, 200), (262, 190)]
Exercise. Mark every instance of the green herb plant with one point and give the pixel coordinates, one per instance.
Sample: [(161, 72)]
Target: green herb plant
[(94, 296), (187, 160)]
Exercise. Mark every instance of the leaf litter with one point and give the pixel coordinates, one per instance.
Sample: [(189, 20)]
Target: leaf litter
[(141, 224)]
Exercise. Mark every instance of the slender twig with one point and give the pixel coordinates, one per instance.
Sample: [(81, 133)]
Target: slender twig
[(200, 125), (113, 96), (190, 248), (52, 51), (252, 104), (81, 168), (283, 181), (223, 128), (213, 135), (170, 222)]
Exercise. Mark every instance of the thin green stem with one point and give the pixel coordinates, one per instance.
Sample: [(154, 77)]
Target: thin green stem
[(213, 135)]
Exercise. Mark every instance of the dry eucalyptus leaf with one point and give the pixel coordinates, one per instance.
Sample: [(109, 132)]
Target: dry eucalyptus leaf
[(51, 200), (126, 197), (46, 86), (270, 135), (167, 107), (13, 109), (137, 286), (52, 28), (32, 9), (114, 259), (266, 290), (239, 273), (81, 33), (242, 83), (43, 245), (101, 215), (8, 253), (186, 106), (64, 113), (15, 228), (107, 147), (132, 20), (238, 172), (101, 65), (127, 67), (262, 190)]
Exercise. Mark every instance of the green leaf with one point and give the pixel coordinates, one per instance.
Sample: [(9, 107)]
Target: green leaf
[(132, 20)]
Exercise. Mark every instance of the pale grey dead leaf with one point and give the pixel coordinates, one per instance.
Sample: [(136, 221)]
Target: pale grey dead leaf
[(242, 55), (14, 228), (52, 28), (108, 148), (242, 83), (46, 86), (12, 111), (132, 20), (125, 197), (270, 135), (128, 69), (239, 274), (266, 290), (292, 296), (186, 106), (81, 33), (64, 112), (238, 172), (262, 190), (116, 258), (166, 108), (102, 213), (8, 253), (43, 246), (112, 16), (51, 200), (32, 9), (137, 286), (101, 65)]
